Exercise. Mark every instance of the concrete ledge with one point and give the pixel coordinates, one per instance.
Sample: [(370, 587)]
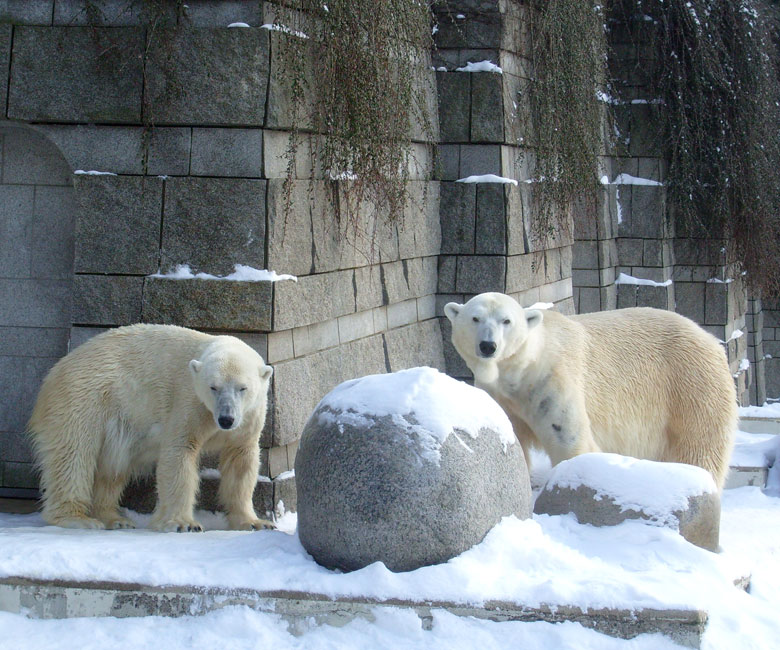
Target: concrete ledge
[(759, 425), (64, 599), (746, 476)]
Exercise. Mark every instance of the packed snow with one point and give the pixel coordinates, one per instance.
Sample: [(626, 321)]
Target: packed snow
[(624, 278), (546, 559), (655, 489), (242, 273), (423, 401), (487, 178), (628, 179), (480, 66)]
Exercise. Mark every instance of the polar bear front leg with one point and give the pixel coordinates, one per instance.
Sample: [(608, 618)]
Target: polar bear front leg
[(238, 466), (177, 485), (562, 426)]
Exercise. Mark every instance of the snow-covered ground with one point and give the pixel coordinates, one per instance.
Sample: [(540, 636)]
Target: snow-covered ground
[(551, 560)]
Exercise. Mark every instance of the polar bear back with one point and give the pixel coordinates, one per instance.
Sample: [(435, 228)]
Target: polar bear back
[(120, 366), (652, 375)]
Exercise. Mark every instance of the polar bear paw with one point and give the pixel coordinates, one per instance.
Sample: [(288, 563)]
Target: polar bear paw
[(251, 524), (118, 523), (177, 525)]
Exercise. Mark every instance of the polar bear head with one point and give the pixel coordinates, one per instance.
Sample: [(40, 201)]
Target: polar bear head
[(490, 326), (231, 379)]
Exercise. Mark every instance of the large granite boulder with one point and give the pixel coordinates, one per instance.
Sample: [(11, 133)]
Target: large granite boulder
[(410, 468), (607, 489)]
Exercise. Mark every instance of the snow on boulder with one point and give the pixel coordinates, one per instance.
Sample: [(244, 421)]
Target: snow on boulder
[(410, 469), (606, 489)]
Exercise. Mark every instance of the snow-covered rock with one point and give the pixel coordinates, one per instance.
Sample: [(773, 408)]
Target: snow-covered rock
[(409, 469), (606, 489)]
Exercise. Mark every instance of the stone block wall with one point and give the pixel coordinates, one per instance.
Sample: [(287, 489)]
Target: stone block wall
[(768, 329), (488, 243), (36, 276), (182, 135), (634, 254)]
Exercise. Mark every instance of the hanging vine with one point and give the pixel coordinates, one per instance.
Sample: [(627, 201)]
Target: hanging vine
[(365, 90), (568, 56), (715, 73)]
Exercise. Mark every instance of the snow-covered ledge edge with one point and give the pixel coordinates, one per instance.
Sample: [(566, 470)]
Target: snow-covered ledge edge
[(242, 273)]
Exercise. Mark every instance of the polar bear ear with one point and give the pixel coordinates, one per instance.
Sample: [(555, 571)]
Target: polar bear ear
[(266, 372), (451, 310), (533, 317), (195, 366)]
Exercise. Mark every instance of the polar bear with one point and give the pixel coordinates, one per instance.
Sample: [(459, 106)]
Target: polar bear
[(639, 382), (145, 395)]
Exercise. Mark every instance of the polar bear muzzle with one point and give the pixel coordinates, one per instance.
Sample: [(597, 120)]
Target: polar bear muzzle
[(487, 348)]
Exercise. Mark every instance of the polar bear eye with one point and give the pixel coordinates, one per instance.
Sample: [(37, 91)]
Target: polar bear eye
[(475, 319), (242, 389), (507, 321), (214, 388)]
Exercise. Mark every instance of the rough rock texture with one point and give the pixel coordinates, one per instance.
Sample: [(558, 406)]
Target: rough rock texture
[(369, 490), (698, 520)]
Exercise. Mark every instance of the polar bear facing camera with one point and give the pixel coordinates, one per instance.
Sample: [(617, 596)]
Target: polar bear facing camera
[(142, 396), (639, 382)]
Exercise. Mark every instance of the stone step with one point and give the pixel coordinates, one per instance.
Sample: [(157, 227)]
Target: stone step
[(759, 425), (61, 599), (746, 476)]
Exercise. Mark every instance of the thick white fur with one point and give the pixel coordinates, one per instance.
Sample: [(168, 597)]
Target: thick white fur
[(640, 382), (147, 395)]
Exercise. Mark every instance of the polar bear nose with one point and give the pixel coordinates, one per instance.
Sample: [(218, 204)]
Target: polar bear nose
[(487, 348), (225, 421)]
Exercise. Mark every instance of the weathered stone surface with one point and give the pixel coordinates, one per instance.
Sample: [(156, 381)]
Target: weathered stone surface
[(487, 107), (479, 159), (648, 211), (5, 59), (33, 342), (448, 162), (208, 304), (107, 300), (408, 279), (227, 152), (208, 76), (116, 149), (418, 344), (313, 299), (607, 489), (26, 12), (167, 151), (491, 236), (117, 224), (76, 74), (419, 232), (469, 25), (480, 273), (113, 13), (454, 98), (283, 104), (372, 489), (30, 159), (213, 224), (457, 212), (448, 265), (20, 379), (221, 13), (299, 384)]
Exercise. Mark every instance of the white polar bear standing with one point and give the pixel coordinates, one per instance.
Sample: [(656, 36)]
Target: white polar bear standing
[(639, 382), (145, 395)]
